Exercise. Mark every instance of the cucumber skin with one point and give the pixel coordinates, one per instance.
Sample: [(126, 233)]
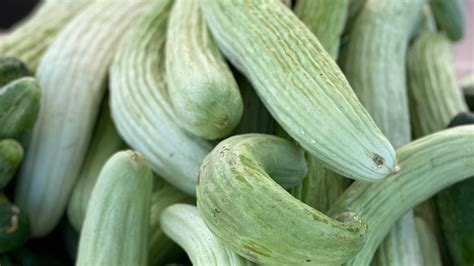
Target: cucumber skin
[(11, 155), (12, 69), (115, 230)]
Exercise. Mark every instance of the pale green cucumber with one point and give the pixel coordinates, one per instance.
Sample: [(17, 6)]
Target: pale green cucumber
[(326, 19), (320, 188), (11, 154), (71, 74), (435, 97), (19, 108), (183, 224), (12, 69), (374, 64), (428, 165), (201, 86), (160, 247), (115, 231), (450, 17), (301, 85), (428, 243), (256, 118), (257, 218), (140, 104), (105, 142), (29, 39)]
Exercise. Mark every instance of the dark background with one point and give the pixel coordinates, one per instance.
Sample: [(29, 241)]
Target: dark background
[(13, 10)]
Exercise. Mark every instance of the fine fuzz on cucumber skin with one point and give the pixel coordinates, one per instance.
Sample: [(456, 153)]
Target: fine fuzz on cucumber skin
[(450, 17), (434, 94), (326, 19), (14, 227), (428, 165), (11, 155), (19, 108), (141, 108), (115, 231), (201, 86), (105, 142), (72, 75), (31, 37), (257, 218), (183, 224), (12, 69), (301, 85)]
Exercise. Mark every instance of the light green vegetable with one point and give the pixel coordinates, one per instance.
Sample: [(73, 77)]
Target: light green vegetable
[(29, 39), (183, 224), (202, 88), (428, 165), (257, 218), (105, 142), (301, 85), (140, 104), (115, 231), (326, 19), (71, 74)]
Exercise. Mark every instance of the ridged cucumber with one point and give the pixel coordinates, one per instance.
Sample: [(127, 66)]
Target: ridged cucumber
[(71, 74), (257, 218), (202, 88), (141, 107), (115, 231), (429, 165), (301, 85)]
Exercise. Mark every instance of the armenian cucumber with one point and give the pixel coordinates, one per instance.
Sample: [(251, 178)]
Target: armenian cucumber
[(301, 85), (115, 231), (72, 75), (202, 88)]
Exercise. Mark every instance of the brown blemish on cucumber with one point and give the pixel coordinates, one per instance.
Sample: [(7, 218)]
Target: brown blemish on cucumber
[(378, 160)]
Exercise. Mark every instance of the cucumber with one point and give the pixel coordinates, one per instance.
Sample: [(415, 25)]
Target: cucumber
[(116, 227), (72, 74), (19, 108), (11, 154), (14, 226), (295, 77), (202, 88)]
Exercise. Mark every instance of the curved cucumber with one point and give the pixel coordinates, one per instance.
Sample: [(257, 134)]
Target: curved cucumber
[(141, 108), (72, 74), (450, 17), (115, 231), (201, 86), (301, 85), (257, 218)]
